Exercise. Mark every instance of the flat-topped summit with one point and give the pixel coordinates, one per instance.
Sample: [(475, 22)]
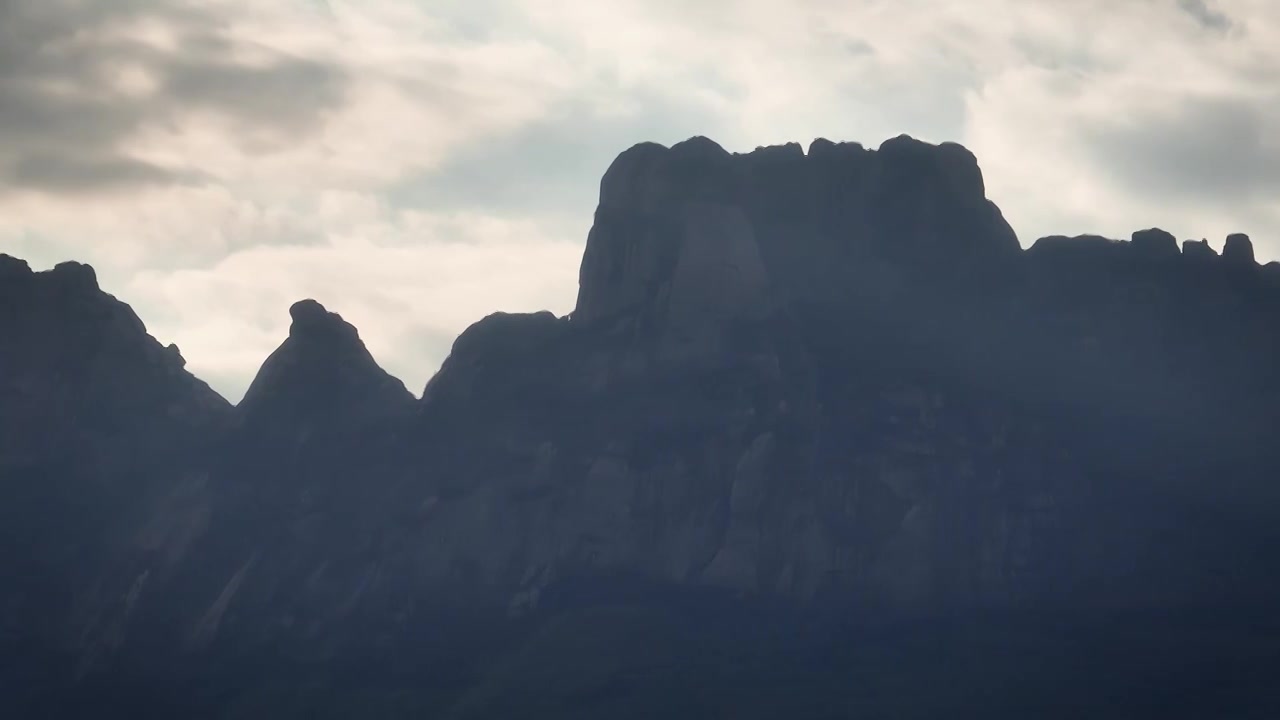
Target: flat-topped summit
[(696, 224)]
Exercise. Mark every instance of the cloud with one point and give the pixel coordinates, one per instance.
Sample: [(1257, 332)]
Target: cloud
[(62, 173), (81, 81), (235, 92), (1205, 15), (1195, 149)]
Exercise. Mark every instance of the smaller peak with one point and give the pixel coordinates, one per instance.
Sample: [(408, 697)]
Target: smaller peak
[(1079, 245), (308, 311), (630, 172), (1238, 250), (174, 354), (699, 146), (788, 151), (75, 274), (496, 346), (500, 329), (1271, 272), (9, 263), (310, 318), (904, 142), (949, 153), (13, 269), (322, 370), (822, 147), (1198, 249), (644, 149), (1154, 243)]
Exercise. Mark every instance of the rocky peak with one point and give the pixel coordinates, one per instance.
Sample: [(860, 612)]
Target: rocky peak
[(725, 236), (12, 267), (312, 323), (1198, 250), (1238, 250), (321, 373), (1155, 243), (75, 275)]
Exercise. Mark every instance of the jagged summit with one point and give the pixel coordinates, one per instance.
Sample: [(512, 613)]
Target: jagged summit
[(1199, 249), (316, 324), (12, 267), (76, 274), (1153, 244), (322, 372)]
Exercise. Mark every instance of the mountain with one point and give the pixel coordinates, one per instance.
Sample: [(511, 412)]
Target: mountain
[(816, 421)]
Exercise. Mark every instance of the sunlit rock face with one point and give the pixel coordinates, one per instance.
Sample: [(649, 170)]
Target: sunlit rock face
[(828, 378)]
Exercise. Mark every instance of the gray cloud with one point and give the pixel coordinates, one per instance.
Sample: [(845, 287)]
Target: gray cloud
[(1203, 150), (286, 97), (1205, 14), (66, 122), (66, 174)]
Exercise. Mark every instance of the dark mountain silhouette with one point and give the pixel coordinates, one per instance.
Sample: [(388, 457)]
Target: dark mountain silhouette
[(820, 439)]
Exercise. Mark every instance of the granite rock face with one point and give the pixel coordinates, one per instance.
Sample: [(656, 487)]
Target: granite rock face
[(831, 379)]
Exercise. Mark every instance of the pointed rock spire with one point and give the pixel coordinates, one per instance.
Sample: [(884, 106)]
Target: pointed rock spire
[(1238, 250), (321, 373)]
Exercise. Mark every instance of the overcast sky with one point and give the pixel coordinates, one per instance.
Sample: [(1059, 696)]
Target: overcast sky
[(417, 164)]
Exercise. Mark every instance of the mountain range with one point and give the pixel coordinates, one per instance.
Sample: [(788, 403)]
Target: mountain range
[(820, 438)]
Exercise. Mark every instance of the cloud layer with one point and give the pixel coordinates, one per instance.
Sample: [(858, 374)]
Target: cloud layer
[(417, 165)]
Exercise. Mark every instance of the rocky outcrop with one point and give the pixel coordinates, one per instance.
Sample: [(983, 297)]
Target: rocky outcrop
[(1155, 244), (1198, 249), (694, 231), (1238, 250), (321, 374)]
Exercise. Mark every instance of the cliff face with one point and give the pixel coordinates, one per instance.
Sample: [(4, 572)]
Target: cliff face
[(831, 378)]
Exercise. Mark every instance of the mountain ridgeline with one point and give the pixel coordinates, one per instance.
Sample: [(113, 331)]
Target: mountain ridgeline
[(829, 387)]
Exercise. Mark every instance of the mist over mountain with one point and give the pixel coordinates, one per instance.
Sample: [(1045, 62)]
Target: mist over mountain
[(820, 438)]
